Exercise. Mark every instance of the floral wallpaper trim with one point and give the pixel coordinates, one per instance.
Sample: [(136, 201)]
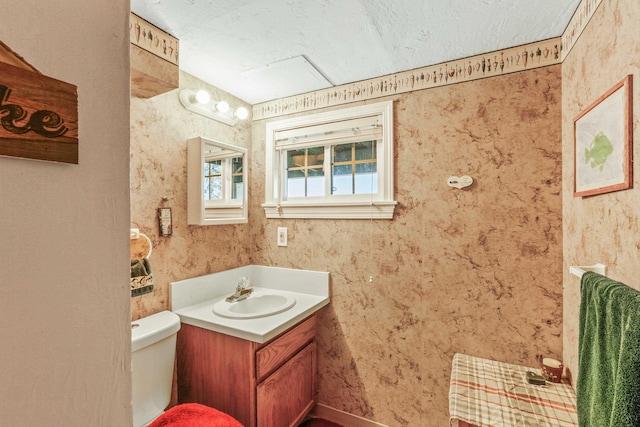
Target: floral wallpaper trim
[(520, 58), (586, 9)]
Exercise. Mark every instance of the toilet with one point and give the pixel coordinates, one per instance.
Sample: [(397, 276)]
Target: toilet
[(153, 347), (153, 353)]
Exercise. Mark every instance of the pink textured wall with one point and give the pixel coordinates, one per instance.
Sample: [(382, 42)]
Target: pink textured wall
[(475, 270), (160, 127), (602, 228)]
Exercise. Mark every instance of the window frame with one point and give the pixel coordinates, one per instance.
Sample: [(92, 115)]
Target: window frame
[(352, 206)]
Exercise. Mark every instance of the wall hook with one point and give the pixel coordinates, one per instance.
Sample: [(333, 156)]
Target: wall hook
[(459, 181)]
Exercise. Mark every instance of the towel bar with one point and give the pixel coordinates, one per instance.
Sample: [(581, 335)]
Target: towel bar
[(579, 270), (139, 249)]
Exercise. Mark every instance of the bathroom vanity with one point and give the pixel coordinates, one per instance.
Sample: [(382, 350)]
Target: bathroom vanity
[(270, 384), (257, 366)]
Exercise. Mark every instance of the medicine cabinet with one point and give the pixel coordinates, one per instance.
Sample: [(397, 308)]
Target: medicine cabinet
[(216, 182)]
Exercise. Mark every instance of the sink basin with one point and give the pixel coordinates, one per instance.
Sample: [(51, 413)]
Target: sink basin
[(258, 304)]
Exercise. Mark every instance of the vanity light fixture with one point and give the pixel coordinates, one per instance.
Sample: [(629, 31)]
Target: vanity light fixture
[(202, 97), (241, 113), (222, 106), (200, 102)]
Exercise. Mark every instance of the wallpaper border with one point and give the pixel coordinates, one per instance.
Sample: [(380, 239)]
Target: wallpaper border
[(526, 57), (520, 58)]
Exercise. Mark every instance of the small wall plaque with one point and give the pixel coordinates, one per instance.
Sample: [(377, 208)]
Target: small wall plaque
[(164, 221)]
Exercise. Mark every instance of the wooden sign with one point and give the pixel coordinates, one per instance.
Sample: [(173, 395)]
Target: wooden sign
[(38, 115), (8, 56)]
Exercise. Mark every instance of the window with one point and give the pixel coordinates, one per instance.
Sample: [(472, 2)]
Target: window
[(337, 164)]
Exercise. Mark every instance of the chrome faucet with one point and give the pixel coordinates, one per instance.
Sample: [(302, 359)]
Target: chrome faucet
[(243, 290)]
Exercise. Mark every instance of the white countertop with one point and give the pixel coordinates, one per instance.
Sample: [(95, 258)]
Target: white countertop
[(193, 300)]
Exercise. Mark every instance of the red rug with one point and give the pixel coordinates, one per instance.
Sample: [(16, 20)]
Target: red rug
[(194, 415), (319, 422)]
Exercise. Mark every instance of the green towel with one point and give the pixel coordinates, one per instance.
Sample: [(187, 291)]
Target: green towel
[(608, 386)]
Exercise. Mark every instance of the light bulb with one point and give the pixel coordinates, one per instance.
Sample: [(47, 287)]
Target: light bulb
[(202, 97), (222, 106), (241, 113)]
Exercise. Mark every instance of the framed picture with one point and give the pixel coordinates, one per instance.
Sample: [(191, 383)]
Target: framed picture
[(603, 143)]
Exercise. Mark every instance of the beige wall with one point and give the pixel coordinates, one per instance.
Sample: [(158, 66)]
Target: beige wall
[(602, 228), (160, 127), (475, 271), (64, 309)]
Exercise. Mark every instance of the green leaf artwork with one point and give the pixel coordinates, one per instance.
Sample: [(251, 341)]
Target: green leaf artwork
[(599, 151), (603, 143)]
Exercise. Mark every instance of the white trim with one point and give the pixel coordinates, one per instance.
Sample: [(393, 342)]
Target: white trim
[(328, 139), (329, 130), (344, 418), (365, 210), (378, 206)]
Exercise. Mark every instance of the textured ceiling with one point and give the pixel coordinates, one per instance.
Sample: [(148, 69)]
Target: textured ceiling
[(259, 50)]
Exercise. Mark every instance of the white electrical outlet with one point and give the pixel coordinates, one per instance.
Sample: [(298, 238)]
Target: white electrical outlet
[(282, 236)]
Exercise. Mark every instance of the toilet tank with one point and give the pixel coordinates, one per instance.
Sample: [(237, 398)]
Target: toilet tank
[(153, 347)]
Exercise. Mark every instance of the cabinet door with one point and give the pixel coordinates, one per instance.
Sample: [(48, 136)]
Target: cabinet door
[(280, 349), (217, 370), (287, 395)]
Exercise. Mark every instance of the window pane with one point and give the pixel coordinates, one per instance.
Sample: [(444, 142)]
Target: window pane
[(236, 178), (213, 180), (315, 184), (213, 188), (315, 156), (342, 153), (305, 172), (354, 168), (342, 170), (365, 150), (366, 178), (295, 183), (213, 167), (342, 180), (236, 188), (369, 167), (236, 165), (296, 158)]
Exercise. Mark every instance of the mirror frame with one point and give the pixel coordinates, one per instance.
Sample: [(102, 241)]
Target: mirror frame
[(227, 212)]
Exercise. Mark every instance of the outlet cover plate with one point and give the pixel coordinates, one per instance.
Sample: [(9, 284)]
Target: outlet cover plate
[(282, 236)]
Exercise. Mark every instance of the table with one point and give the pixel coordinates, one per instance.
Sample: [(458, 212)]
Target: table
[(487, 393)]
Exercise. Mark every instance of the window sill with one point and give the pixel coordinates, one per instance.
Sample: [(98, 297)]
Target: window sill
[(362, 210)]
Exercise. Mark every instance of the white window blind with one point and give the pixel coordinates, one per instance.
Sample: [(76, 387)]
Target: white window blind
[(355, 130)]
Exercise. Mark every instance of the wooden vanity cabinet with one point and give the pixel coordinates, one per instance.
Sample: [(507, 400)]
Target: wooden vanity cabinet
[(261, 385)]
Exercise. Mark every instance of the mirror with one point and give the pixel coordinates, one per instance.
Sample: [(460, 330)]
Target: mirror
[(217, 182)]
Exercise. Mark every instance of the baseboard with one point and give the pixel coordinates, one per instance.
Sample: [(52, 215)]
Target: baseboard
[(337, 416)]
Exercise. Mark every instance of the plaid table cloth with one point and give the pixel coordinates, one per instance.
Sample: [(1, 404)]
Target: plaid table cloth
[(486, 393)]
